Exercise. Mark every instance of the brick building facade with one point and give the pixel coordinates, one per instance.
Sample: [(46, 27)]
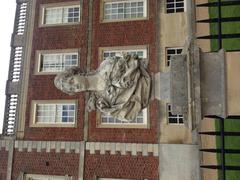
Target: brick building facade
[(50, 135)]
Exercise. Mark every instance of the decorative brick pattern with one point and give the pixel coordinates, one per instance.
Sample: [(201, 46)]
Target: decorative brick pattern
[(49, 146), (122, 148), (117, 166)]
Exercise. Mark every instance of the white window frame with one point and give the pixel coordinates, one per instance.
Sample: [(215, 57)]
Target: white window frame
[(46, 177), (34, 122), (120, 124), (175, 8), (124, 18), (168, 56), (61, 6), (130, 51), (124, 49), (62, 53), (177, 117)]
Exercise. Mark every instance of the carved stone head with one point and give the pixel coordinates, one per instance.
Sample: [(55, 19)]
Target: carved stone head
[(71, 81)]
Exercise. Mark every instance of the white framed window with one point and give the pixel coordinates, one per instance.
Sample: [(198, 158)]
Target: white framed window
[(57, 62), (140, 120), (140, 50), (142, 53), (124, 10), (173, 119), (54, 113), (170, 52), (175, 6), (45, 177), (54, 14)]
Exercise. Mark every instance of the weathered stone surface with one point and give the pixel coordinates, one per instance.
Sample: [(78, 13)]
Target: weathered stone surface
[(12, 88), (17, 40), (162, 86), (198, 85), (179, 84), (213, 84), (182, 163)]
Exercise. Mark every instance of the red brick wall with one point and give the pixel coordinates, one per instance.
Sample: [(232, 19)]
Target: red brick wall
[(125, 33), (36, 163), (3, 164), (117, 166), (41, 87)]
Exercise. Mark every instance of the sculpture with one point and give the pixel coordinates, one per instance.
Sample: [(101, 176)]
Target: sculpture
[(120, 87)]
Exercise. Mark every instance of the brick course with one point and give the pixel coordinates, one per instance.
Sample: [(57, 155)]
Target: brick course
[(117, 166), (3, 164), (45, 163)]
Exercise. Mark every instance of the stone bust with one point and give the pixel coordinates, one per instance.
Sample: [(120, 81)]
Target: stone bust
[(120, 87)]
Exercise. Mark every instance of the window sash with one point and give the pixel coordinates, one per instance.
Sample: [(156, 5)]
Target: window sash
[(142, 53), (55, 113), (141, 119), (170, 52), (174, 6), (125, 10), (50, 62), (173, 119), (59, 15)]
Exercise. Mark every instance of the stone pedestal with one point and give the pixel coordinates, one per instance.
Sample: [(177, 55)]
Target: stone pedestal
[(196, 85)]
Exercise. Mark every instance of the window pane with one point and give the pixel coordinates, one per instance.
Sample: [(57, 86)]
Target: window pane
[(45, 113), (170, 10), (55, 113), (124, 10), (174, 119), (140, 119), (58, 62), (170, 52), (63, 14), (180, 10), (53, 15)]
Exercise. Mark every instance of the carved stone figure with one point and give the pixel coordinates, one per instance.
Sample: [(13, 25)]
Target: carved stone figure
[(120, 87)]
